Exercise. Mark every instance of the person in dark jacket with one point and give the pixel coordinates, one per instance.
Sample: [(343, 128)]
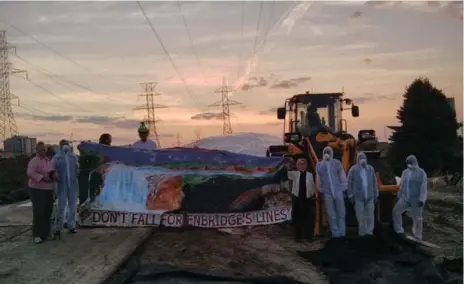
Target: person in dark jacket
[(303, 201), (88, 162)]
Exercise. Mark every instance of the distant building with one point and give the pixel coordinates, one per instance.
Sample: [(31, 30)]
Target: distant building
[(20, 145)]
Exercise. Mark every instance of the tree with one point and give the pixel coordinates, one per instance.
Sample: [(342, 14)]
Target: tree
[(428, 129)]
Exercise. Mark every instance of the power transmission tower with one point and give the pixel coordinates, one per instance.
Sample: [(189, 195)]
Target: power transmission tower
[(178, 140), (197, 132), (150, 106), (225, 103), (8, 125)]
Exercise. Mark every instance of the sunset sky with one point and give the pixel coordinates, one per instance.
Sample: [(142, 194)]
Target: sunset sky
[(85, 61)]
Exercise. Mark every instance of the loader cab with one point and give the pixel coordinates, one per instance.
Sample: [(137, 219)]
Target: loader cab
[(309, 113)]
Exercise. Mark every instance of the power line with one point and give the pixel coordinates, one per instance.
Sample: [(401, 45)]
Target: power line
[(150, 106), (166, 52), (55, 95), (225, 104), (191, 40), (266, 33), (54, 77), (57, 52), (258, 24), (242, 21)]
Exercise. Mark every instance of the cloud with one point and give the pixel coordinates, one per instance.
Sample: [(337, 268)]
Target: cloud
[(290, 83), (255, 82), (44, 134), (119, 122), (268, 111), (367, 60), (452, 9), (367, 98), (207, 116)]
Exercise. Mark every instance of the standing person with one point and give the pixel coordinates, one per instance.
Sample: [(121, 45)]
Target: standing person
[(332, 183), (412, 196), (41, 177), (363, 191), (303, 202), (65, 163), (87, 163), (144, 142)]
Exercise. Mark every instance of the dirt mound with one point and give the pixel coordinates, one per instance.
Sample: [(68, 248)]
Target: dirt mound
[(13, 179), (371, 260)]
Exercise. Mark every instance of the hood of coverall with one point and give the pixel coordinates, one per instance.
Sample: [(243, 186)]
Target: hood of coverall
[(412, 160), (328, 150), (361, 156)]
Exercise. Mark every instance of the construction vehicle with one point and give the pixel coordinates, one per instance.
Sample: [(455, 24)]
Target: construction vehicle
[(305, 133)]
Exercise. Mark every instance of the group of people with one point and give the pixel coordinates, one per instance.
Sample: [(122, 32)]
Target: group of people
[(360, 187), (55, 175)]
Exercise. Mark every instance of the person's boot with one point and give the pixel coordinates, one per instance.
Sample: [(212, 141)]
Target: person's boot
[(73, 231), (57, 235), (38, 240)]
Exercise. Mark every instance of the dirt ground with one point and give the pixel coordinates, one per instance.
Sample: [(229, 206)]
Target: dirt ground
[(270, 250), (261, 251)]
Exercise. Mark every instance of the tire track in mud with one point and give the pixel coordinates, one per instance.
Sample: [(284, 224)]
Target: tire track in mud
[(9, 232)]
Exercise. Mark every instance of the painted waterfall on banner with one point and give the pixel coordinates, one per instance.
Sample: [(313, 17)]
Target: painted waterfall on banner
[(141, 188)]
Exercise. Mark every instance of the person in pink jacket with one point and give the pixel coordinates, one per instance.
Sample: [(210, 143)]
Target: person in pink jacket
[(41, 178)]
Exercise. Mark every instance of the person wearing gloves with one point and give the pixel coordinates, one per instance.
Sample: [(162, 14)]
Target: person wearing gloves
[(332, 183), (41, 176), (66, 164), (363, 191), (303, 201), (144, 142), (412, 196)]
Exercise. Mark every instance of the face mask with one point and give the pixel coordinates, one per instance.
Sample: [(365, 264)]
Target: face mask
[(326, 156), (363, 162), (65, 148), (410, 166)]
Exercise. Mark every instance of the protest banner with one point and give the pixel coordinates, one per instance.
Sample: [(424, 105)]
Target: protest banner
[(226, 190), (226, 220)]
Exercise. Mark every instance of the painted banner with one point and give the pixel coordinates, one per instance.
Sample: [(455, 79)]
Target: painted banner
[(213, 189), (191, 157)]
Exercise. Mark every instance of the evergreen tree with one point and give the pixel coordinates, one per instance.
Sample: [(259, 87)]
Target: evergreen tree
[(428, 129)]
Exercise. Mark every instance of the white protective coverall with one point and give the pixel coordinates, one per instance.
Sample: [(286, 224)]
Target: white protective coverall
[(331, 182), (412, 196), (364, 191), (66, 164)]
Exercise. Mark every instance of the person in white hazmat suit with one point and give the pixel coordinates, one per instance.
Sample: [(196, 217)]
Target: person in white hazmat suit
[(412, 196), (331, 182), (66, 165), (363, 191)]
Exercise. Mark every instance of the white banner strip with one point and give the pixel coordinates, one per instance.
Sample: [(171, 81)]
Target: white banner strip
[(224, 220)]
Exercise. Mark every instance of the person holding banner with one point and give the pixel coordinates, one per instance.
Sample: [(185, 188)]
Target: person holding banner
[(303, 201), (144, 142), (88, 177)]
